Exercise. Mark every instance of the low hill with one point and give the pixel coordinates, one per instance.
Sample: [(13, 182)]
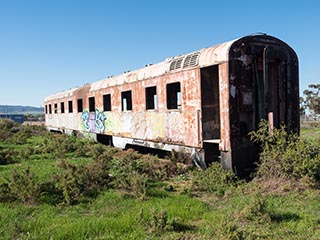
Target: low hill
[(20, 109)]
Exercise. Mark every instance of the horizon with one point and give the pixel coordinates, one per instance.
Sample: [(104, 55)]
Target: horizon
[(49, 47)]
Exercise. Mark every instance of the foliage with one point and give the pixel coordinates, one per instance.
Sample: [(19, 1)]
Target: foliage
[(79, 195), (311, 98), (214, 179), (7, 156), (21, 187), (127, 171), (286, 155), (6, 129)]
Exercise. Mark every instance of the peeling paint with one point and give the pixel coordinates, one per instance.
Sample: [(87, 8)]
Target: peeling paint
[(242, 68)]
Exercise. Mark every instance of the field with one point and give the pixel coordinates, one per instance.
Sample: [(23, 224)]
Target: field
[(58, 187)]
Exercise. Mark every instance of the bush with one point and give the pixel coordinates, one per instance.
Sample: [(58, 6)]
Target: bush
[(287, 155), (6, 129), (8, 156), (127, 170), (7, 124), (21, 136), (214, 179), (21, 187), (70, 181)]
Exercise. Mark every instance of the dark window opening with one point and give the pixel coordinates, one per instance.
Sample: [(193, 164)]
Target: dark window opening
[(56, 108), (92, 106), (70, 106), (80, 105), (50, 109), (126, 100), (151, 97), (107, 102), (62, 107), (46, 109), (173, 95), (210, 103)]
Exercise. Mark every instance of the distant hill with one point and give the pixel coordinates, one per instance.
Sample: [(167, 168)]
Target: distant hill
[(20, 109)]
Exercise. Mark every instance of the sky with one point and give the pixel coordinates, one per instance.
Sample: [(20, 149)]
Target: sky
[(47, 46)]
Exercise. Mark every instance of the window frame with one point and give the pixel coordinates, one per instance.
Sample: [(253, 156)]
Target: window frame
[(92, 104), (80, 105), (62, 108), (151, 98), (55, 108), (126, 95), (106, 99), (174, 96), (70, 106)]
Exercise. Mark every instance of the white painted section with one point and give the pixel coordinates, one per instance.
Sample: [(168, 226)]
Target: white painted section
[(208, 56)]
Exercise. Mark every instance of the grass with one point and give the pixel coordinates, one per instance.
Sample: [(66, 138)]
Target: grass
[(113, 216), (310, 133), (173, 207)]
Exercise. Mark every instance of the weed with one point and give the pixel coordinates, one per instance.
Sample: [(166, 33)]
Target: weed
[(159, 220), (214, 180), (8, 156), (70, 181), (21, 187), (286, 155), (127, 171)]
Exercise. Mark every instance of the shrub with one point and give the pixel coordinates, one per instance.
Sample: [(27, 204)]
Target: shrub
[(286, 155), (128, 172), (70, 181), (214, 179), (7, 124), (6, 129), (21, 136), (21, 187), (76, 182), (8, 156)]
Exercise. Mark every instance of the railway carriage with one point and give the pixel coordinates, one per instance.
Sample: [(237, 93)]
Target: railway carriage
[(203, 103)]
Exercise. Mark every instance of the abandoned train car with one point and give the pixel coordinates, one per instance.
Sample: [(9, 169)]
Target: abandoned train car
[(203, 103)]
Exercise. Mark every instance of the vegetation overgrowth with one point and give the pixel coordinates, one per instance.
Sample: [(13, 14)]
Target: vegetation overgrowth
[(54, 186)]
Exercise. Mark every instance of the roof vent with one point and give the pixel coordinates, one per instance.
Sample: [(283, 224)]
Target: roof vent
[(176, 64), (191, 60)]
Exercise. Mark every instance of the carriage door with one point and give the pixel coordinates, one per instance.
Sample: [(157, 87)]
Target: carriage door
[(275, 85), (210, 112)]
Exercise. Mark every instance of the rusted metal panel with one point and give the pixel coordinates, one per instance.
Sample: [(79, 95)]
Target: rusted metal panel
[(178, 126), (225, 144), (258, 77), (263, 84)]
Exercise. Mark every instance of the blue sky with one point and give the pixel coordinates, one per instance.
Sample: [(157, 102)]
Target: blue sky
[(50, 46)]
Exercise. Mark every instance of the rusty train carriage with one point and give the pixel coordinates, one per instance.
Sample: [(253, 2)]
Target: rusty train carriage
[(204, 103)]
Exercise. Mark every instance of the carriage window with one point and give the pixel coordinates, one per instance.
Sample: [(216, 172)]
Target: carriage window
[(92, 106), (126, 100), (151, 97), (56, 108), (173, 96), (46, 109), (107, 102), (62, 107), (50, 109), (80, 105), (70, 106)]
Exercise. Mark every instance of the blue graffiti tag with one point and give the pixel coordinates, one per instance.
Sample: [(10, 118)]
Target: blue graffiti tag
[(94, 121), (85, 120), (99, 121)]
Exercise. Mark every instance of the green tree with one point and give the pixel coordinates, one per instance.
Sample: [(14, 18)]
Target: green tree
[(312, 98)]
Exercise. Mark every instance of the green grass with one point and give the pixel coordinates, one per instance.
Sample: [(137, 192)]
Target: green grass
[(311, 133), (114, 216), (171, 209)]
